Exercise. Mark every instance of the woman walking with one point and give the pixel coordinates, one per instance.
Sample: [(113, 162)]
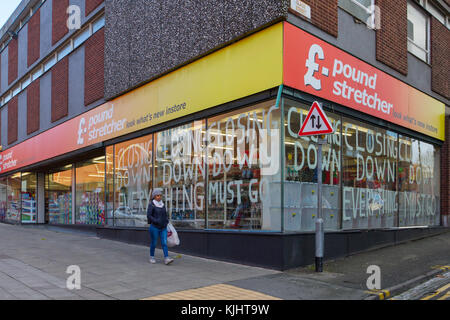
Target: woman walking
[(158, 220)]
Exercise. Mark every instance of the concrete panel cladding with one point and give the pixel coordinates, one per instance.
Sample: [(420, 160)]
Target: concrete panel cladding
[(45, 28), (34, 38), (391, 38), (59, 20), (22, 55), (60, 90), (324, 15), (33, 106), (91, 5), (440, 48), (94, 78), (145, 39), (13, 60), (13, 107), (3, 71)]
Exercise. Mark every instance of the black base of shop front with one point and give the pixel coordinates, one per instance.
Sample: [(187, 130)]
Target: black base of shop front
[(274, 250)]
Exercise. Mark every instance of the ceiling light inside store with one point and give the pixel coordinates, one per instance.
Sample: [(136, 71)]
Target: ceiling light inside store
[(96, 175)]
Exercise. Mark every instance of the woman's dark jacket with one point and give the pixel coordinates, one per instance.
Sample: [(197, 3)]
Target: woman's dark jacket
[(157, 216)]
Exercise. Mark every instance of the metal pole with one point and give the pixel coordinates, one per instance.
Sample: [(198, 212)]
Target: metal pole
[(319, 220)]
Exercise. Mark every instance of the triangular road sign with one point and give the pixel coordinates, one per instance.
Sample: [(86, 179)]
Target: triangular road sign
[(316, 122)]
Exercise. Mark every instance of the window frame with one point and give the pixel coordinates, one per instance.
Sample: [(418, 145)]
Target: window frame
[(350, 6), (411, 42)]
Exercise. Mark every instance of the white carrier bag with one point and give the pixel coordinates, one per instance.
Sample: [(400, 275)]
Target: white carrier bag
[(172, 236)]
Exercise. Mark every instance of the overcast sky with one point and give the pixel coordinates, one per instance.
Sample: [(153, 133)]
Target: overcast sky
[(7, 7)]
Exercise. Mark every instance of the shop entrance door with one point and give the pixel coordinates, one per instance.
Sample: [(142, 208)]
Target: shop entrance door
[(58, 196), (29, 198)]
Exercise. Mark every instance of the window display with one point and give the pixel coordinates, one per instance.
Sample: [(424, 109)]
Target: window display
[(419, 166), (369, 193), (133, 163), (300, 176), (230, 172), (59, 196), (90, 194), (3, 202), (243, 160), (180, 172), (109, 191)]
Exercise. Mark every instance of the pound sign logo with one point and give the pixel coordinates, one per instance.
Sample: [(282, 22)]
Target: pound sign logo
[(81, 130), (313, 67)]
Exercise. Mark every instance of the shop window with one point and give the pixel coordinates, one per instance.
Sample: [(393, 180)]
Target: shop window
[(244, 170), (3, 197), (300, 173), (28, 199), (418, 29), (90, 191), (180, 172), (369, 168), (59, 196), (13, 209), (109, 191), (132, 184), (419, 187)]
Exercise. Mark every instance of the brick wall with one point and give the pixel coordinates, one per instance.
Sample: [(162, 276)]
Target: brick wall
[(440, 48), (33, 106), (59, 20), (12, 60), (13, 106), (91, 5), (60, 89), (324, 15), (34, 32), (94, 79), (391, 39), (445, 171)]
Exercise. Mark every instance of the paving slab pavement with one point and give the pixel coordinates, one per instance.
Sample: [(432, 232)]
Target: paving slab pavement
[(34, 262)]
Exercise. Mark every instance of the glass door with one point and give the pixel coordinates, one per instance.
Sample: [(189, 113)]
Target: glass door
[(58, 194), (13, 198), (3, 197), (28, 190)]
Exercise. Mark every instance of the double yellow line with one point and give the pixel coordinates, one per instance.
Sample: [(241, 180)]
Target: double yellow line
[(382, 294), (438, 292)]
